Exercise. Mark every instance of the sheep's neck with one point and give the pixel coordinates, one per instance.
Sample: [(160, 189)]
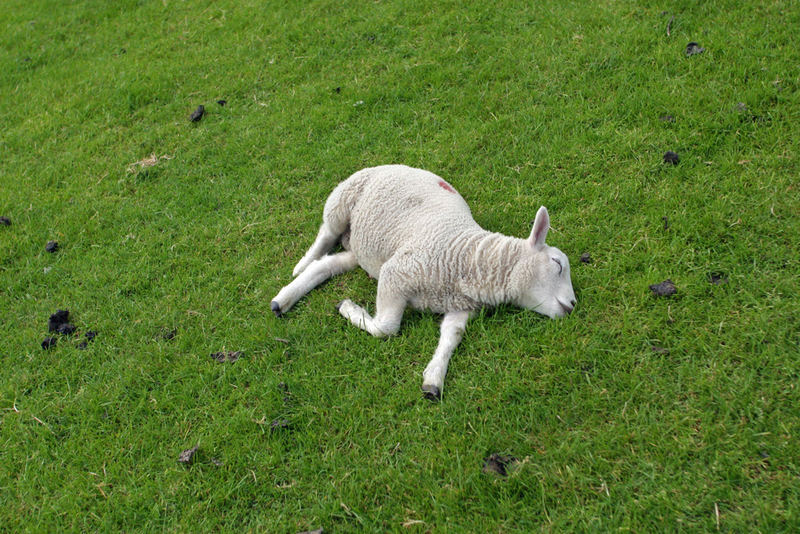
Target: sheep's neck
[(492, 258)]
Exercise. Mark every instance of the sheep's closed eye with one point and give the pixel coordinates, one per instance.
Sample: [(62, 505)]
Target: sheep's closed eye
[(560, 267)]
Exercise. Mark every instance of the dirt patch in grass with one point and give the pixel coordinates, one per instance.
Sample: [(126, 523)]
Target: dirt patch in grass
[(498, 464), (227, 356), (60, 317), (717, 278), (198, 113), (187, 456), (671, 157), (664, 289), (694, 48)]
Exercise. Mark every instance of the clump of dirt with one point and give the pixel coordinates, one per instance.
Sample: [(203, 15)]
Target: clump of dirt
[(60, 317), (90, 335), (586, 258), (671, 157), (51, 246), (187, 457), (666, 118), (717, 278), (59, 323), (227, 356), (198, 113), (694, 48), (66, 329), (49, 342), (498, 464), (222, 102), (5, 221), (664, 289)]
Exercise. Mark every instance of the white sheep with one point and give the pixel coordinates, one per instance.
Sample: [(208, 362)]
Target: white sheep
[(412, 231)]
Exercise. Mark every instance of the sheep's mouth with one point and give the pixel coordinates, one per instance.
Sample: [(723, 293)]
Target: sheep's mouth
[(566, 307)]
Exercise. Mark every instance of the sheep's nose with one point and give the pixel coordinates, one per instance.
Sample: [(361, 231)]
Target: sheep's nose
[(572, 303), (567, 309)]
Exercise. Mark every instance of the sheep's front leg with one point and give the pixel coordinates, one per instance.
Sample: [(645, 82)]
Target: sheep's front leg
[(453, 326), (313, 275)]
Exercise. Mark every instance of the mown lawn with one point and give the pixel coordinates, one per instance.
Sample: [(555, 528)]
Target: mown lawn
[(636, 413)]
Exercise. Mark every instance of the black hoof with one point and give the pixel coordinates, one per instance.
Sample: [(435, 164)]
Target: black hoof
[(431, 393), (275, 307)]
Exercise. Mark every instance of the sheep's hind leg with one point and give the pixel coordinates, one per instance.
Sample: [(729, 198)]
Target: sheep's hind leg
[(389, 307), (317, 272), (453, 326), (325, 241)]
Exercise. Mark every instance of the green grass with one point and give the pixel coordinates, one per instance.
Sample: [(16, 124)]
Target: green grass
[(517, 104)]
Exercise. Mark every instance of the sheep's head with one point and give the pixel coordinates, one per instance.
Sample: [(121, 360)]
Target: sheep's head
[(542, 278)]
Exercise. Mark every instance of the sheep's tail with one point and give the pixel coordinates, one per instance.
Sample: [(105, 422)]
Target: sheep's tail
[(335, 219)]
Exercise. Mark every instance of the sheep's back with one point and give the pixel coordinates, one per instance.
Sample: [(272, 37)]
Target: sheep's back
[(404, 208)]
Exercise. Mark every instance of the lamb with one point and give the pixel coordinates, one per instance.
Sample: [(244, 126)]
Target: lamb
[(414, 232)]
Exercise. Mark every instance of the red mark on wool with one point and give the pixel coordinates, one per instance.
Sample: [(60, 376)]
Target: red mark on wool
[(447, 187)]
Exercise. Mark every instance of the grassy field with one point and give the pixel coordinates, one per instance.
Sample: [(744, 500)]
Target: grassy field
[(636, 413)]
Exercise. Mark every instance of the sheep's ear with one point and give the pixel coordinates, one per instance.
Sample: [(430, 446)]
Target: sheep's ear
[(540, 227)]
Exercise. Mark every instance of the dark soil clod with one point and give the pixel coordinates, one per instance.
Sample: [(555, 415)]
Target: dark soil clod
[(666, 222), (664, 289), (222, 102), (90, 335), (229, 356), (5, 221), (51, 246), (586, 258), (671, 157), (337, 90), (49, 342), (694, 48), (666, 118), (59, 318), (498, 464), (197, 114), (66, 329), (717, 278), (187, 457)]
